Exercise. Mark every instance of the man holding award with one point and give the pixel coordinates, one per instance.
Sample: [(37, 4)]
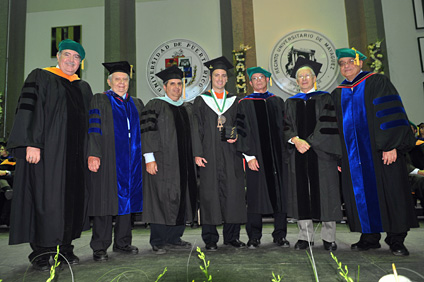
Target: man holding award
[(222, 193)]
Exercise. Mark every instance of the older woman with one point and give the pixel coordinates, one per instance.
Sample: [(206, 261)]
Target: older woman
[(313, 146)]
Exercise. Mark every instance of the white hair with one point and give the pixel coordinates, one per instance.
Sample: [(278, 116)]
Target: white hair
[(306, 67), (110, 76)]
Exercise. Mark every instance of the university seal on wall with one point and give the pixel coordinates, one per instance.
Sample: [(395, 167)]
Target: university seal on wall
[(189, 57), (311, 45)]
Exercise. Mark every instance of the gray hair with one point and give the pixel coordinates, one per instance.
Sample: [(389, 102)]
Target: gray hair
[(306, 67), (110, 76)]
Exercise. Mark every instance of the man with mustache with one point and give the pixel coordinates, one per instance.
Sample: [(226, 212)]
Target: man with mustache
[(375, 135)]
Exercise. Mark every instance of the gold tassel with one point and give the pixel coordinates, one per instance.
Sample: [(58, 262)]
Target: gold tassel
[(315, 86), (270, 81), (184, 96), (131, 71), (82, 64), (356, 57)]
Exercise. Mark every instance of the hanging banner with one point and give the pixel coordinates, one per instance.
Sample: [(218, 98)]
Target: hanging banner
[(239, 58)]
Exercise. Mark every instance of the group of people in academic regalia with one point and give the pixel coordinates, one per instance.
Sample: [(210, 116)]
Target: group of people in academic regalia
[(107, 156)]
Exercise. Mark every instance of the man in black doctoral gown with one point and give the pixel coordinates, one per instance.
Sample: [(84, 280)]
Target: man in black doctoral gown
[(260, 138), (169, 188), (311, 129), (49, 139), (115, 159), (221, 192), (375, 137)]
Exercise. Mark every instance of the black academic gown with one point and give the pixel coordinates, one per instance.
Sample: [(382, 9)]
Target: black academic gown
[(260, 134), (106, 196), (169, 196), (221, 191), (314, 190), (372, 120), (49, 198)]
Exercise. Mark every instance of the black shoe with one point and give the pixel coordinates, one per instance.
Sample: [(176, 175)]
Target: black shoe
[(399, 249), (100, 255), (364, 246), (211, 246), (180, 245), (236, 243), (159, 250), (128, 249), (253, 243), (330, 246), (282, 242), (41, 264), (302, 245), (71, 258)]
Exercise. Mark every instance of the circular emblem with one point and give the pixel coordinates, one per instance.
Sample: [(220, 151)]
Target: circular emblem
[(311, 45), (189, 57)]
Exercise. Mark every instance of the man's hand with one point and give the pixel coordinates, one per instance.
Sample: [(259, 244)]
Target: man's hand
[(232, 140), (420, 172), (152, 168), (33, 155), (301, 145), (200, 161), (3, 172), (253, 164), (93, 163), (389, 157)]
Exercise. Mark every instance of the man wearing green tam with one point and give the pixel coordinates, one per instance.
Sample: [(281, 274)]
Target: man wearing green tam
[(251, 71), (69, 44), (260, 138), (375, 135), (49, 138)]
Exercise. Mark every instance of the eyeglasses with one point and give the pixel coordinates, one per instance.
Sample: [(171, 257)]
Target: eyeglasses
[(347, 63), (258, 77), (308, 76)]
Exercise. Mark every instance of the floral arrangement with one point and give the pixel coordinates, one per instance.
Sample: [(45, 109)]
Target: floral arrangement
[(376, 57)]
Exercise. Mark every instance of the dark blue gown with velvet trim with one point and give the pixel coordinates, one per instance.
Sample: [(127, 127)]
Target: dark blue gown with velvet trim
[(117, 186), (372, 120)]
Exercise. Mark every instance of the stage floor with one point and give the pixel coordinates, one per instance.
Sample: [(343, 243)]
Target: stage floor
[(226, 264)]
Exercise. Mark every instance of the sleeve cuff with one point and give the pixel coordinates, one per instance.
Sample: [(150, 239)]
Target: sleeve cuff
[(290, 140), (249, 158), (415, 171), (149, 157)]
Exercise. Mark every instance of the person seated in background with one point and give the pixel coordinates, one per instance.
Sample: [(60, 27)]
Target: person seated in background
[(414, 128), (416, 181), (421, 131), (415, 166), (7, 171)]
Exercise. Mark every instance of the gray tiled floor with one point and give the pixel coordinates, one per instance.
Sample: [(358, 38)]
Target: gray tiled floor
[(227, 264)]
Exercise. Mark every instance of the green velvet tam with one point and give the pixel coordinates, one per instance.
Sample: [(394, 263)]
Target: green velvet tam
[(346, 52), (69, 44), (251, 71)]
